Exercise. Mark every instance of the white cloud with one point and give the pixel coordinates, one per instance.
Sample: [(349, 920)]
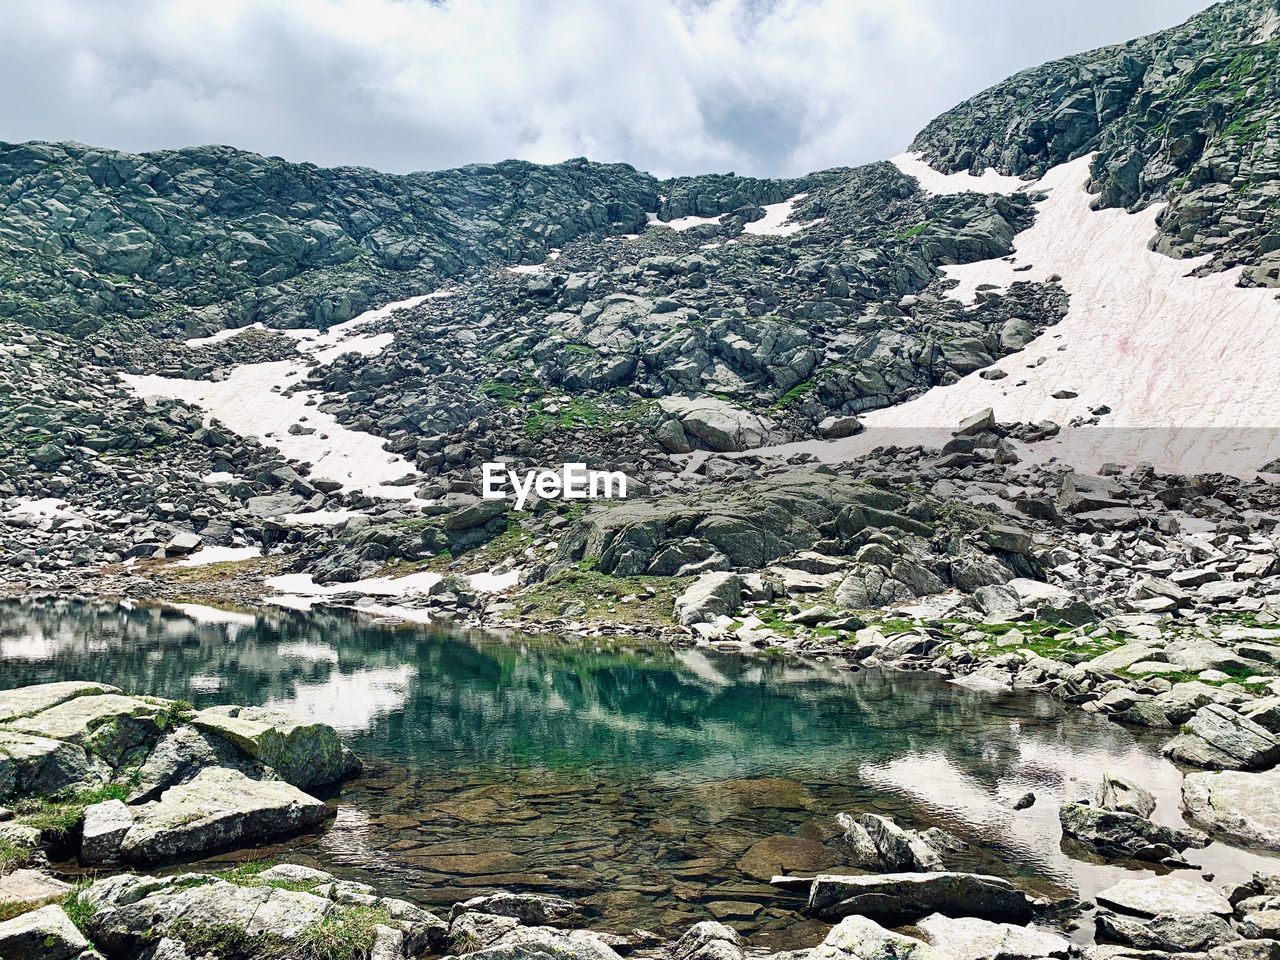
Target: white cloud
[(764, 87)]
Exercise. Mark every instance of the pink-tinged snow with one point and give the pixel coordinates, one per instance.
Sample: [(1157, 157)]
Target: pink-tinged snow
[(776, 215), (207, 555), (251, 401), (932, 181), (1187, 365)]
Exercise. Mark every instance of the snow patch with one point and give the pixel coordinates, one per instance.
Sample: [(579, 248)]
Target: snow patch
[(251, 401), (1186, 364), (932, 181), (46, 508), (681, 224), (207, 555), (775, 219)]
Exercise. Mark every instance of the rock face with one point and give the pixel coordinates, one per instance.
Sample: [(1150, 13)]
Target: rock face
[(903, 897), (1244, 807)]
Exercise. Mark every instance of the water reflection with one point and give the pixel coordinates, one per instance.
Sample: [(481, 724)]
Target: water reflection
[(640, 779)]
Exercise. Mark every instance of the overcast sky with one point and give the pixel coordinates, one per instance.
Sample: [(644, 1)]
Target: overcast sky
[(762, 87)]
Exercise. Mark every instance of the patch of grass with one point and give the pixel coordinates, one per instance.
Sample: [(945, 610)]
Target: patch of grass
[(915, 231), (602, 597), (343, 935), (795, 394), (13, 856)]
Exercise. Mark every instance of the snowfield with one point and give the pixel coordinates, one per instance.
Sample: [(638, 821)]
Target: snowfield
[(776, 215), (1186, 365), (251, 402)]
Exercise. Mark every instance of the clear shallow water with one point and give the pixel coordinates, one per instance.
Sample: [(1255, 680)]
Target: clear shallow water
[(637, 779)]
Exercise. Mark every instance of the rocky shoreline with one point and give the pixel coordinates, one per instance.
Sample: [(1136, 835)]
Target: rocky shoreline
[(232, 776)]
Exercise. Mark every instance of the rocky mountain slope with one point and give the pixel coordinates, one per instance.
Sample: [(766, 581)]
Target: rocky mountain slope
[(210, 348)]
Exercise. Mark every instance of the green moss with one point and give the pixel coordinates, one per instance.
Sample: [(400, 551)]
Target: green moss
[(915, 231)]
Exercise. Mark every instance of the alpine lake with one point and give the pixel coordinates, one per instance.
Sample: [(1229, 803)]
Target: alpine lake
[(655, 786)]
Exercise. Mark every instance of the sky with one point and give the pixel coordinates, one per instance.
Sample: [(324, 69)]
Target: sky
[(759, 87)]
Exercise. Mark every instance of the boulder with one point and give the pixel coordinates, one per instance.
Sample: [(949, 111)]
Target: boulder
[(719, 425), (1156, 896), (1244, 807), (529, 908), (1118, 834), (711, 595), (24, 701), (41, 766), (44, 934), (113, 727), (896, 849), (905, 897), (216, 809), (29, 888), (1218, 737), (708, 940), (105, 827), (860, 938), (303, 754), (1179, 933), (1125, 796), (968, 938), (836, 428)]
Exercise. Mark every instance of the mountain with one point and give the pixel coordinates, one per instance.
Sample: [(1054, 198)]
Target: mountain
[(206, 347)]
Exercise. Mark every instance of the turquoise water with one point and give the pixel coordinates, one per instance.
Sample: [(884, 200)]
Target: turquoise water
[(638, 779)]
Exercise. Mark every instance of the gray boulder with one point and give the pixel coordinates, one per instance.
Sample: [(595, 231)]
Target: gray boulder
[(1244, 807), (1118, 834), (1179, 933), (1218, 737), (905, 897), (1124, 796), (968, 938), (1156, 896), (218, 808), (710, 596), (44, 934)]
